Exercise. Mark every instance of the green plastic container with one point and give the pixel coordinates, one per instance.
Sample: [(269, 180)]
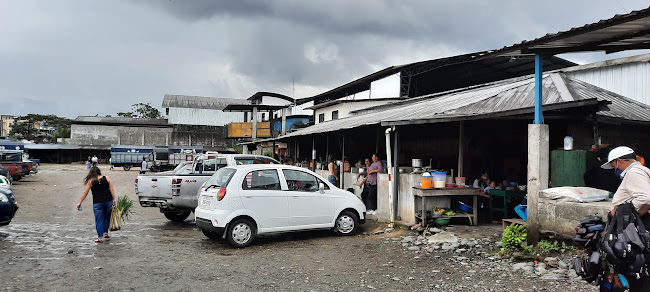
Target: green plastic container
[(442, 221)]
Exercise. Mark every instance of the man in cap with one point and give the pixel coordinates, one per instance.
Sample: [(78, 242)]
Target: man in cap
[(635, 186)]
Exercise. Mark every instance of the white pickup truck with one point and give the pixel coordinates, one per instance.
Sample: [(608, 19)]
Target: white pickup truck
[(176, 192)]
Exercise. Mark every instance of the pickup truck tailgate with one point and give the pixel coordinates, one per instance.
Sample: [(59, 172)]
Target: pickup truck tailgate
[(154, 190)]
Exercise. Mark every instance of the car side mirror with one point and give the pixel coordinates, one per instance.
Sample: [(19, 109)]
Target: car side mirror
[(321, 187)]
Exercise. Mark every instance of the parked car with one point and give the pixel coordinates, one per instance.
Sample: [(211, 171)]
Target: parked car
[(175, 194), (240, 202), (15, 169), (8, 206), (5, 183)]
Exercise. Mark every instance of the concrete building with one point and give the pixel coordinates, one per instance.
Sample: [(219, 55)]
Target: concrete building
[(200, 110), (105, 131)]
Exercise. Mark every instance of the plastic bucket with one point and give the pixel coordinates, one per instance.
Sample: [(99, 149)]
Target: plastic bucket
[(438, 183), (460, 180), (439, 176)]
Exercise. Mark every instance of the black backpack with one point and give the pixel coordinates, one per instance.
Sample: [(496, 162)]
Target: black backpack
[(589, 235), (626, 243)]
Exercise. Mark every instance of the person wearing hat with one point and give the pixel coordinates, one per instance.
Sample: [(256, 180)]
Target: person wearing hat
[(635, 186)]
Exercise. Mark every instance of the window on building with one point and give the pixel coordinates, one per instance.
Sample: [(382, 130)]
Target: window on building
[(321, 118), (335, 115)]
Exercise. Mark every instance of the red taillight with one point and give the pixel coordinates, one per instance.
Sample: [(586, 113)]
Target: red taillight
[(177, 181), (221, 194), (30, 166), (136, 180)]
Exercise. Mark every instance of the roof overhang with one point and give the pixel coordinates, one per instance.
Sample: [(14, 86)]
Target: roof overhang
[(340, 101), (250, 107), (622, 32), (261, 94)]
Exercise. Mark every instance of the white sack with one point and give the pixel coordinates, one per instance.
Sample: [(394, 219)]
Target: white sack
[(575, 194)]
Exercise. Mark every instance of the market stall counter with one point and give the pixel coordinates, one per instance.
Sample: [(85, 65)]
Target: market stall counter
[(426, 193)]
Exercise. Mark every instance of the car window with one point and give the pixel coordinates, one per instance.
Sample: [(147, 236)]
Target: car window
[(302, 181), (261, 180), (221, 178), (254, 160)]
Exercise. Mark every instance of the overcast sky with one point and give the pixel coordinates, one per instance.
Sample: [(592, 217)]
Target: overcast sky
[(82, 57)]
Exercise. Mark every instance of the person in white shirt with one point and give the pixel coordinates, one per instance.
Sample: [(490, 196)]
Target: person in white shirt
[(143, 166), (94, 160)]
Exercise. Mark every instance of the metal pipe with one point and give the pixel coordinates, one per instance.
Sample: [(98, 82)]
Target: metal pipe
[(397, 174), (461, 136), (390, 169), (342, 167), (539, 118)]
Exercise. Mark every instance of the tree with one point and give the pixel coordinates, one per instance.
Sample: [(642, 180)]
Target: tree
[(26, 131), (142, 111)]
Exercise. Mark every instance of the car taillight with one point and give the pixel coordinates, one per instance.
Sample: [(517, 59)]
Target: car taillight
[(136, 180), (177, 181), (221, 194)]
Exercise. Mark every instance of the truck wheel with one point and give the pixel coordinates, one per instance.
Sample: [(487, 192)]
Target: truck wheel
[(346, 223), (177, 216), (211, 234), (126, 167), (240, 232)]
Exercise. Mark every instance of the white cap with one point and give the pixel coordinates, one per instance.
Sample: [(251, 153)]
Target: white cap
[(617, 152)]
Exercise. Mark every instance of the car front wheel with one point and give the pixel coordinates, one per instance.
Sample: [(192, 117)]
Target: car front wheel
[(241, 232), (346, 223)]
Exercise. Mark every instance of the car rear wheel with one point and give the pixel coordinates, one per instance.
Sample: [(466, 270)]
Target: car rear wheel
[(346, 223), (241, 232), (211, 234), (177, 216), (126, 167)]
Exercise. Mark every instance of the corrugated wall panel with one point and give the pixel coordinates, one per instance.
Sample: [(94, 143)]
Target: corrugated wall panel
[(386, 87), (204, 117), (629, 80)]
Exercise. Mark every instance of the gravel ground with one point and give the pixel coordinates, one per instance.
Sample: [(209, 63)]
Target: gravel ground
[(49, 247)]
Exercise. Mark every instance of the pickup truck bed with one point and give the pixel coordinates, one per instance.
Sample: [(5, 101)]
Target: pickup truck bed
[(15, 169)]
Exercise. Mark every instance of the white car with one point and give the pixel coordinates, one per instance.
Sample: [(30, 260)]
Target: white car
[(240, 202), (4, 182)]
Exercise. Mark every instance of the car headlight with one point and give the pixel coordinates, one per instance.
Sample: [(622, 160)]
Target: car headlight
[(4, 198)]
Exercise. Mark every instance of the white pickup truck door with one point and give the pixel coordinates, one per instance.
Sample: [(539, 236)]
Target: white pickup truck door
[(262, 195), (307, 205)]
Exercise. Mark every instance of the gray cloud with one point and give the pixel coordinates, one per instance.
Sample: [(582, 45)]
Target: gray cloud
[(79, 57)]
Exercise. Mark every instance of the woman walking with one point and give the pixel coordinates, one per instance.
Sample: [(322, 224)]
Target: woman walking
[(103, 200)]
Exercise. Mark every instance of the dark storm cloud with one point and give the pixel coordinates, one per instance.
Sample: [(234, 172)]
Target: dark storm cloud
[(74, 57)]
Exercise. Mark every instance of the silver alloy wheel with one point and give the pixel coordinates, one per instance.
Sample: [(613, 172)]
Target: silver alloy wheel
[(241, 233), (345, 224)]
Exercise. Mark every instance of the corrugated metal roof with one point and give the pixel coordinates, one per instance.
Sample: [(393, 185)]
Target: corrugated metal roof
[(119, 120), (189, 101), (621, 32), (501, 98), (644, 58)]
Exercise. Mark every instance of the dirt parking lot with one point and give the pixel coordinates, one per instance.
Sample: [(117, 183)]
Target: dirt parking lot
[(49, 247)]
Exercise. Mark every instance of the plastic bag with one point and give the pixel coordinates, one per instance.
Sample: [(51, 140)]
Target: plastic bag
[(575, 194), (116, 220)]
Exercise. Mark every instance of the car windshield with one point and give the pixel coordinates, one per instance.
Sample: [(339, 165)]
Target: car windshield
[(183, 168), (221, 177)]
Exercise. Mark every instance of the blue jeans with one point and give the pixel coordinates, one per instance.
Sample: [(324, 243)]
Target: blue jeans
[(522, 212), (102, 217), (331, 179)]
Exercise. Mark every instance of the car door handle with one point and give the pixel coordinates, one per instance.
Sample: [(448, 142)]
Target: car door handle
[(248, 196), (295, 196)]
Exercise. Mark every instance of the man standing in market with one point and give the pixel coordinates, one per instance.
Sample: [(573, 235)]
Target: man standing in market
[(371, 183), (635, 189), (143, 166)]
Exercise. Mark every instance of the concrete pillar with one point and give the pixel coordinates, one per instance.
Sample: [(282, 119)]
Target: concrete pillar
[(538, 162), (254, 116), (461, 142)]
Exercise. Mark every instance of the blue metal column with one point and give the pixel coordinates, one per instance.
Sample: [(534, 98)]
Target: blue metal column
[(539, 119)]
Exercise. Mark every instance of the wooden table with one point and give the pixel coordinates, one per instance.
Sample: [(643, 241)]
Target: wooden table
[(506, 195), (446, 192)]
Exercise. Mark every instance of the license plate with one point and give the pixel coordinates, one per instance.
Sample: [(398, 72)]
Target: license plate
[(205, 201)]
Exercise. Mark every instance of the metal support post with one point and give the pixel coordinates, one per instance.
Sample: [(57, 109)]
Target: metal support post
[(539, 118)]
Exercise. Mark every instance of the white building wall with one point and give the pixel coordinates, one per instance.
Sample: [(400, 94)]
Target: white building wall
[(204, 117), (387, 87), (630, 80), (345, 109)]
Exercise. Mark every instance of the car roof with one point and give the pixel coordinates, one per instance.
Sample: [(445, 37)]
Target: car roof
[(266, 166)]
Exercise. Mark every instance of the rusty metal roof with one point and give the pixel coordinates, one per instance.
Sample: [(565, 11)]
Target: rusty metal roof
[(202, 102), (492, 100), (622, 32)]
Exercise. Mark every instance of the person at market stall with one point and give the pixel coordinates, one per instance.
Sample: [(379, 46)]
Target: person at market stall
[(333, 176), (371, 179), (483, 182), (365, 190), (492, 186), (522, 209), (635, 189)]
